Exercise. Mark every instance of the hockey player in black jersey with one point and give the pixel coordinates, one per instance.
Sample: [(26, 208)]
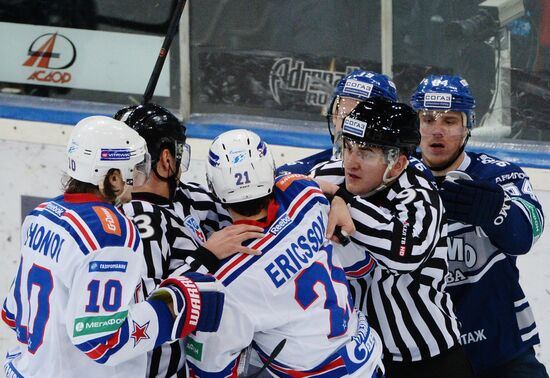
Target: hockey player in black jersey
[(172, 232), (400, 223)]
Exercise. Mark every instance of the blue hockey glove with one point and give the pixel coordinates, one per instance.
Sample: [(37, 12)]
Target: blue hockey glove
[(478, 203), (197, 302)]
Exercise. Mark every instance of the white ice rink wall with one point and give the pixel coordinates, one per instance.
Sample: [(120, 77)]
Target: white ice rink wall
[(32, 162)]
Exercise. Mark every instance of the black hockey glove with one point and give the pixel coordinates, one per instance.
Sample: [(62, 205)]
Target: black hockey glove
[(197, 301), (479, 203)]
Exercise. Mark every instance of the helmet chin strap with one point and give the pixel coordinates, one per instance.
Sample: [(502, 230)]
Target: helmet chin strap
[(172, 180), (119, 199), (386, 180), (337, 145)]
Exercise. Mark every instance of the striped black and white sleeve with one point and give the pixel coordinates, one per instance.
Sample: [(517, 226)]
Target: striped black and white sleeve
[(194, 198), (403, 234), (167, 247), (331, 171)]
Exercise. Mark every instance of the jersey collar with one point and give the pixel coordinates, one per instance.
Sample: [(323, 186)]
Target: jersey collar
[(150, 197), (272, 209), (81, 198)]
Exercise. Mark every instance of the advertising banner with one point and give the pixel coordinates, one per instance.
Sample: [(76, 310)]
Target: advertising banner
[(83, 59)]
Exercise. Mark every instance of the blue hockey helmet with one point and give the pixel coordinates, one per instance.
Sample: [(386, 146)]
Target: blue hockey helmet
[(445, 93), (360, 85)]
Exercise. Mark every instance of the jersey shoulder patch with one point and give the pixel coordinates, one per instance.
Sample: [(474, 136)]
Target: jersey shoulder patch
[(109, 221), (284, 182)]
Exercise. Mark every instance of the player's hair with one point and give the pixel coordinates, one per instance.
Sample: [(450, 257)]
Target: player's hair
[(74, 186), (251, 207)]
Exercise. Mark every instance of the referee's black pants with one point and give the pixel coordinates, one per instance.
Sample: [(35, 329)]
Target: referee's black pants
[(452, 363)]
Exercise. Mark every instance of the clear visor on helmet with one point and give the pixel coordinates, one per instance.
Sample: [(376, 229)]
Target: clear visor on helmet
[(341, 108), (183, 155), (444, 122), (368, 153), (141, 171)]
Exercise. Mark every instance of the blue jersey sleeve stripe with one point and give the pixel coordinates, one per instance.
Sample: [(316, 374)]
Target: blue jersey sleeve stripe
[(165, 321)]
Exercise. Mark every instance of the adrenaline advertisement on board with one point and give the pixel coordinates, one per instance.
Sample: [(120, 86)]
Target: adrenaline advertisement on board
[(288, 83)]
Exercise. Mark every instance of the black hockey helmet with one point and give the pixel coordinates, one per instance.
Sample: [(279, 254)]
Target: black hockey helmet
[(383, 123), (160, 128)]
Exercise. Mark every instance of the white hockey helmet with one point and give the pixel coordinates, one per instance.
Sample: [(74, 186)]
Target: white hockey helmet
[(98, 144), (240, 167)]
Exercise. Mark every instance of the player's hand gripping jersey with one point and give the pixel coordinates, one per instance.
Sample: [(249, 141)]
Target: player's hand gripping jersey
[(72, 303), (295, 290), (482, 262)]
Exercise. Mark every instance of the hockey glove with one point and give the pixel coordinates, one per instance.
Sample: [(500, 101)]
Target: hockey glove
[(478, 203), (197, 302)]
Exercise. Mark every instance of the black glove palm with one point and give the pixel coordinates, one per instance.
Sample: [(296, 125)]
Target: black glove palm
[(480, 203)]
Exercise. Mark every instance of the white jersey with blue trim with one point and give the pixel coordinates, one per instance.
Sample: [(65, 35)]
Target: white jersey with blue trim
[(295, 290), (483, 277), (72, 304)]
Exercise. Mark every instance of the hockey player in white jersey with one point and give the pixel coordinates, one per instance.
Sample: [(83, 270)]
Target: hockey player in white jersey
[(294, 291), (72, 304), (170, 247)]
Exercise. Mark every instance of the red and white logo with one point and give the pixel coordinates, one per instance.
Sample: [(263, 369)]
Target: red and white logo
[(139, 333), (52, 52)]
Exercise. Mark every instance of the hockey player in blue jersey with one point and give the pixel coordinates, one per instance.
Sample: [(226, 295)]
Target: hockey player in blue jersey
[(494, 217), (295, 290), (72, 304), (349, 91)]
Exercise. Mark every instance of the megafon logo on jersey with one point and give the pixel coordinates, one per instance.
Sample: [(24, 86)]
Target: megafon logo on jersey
[(51, 52), (292, 75)]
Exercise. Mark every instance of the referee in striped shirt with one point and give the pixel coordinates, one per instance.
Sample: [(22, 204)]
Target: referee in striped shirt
[(399, 222)]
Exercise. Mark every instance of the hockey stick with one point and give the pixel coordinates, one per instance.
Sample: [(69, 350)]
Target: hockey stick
[(270, 359), (163, 53), (342, 235)]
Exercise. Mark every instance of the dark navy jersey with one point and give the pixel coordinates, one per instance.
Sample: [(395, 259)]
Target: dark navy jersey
[(497, 323), (305, 165)]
